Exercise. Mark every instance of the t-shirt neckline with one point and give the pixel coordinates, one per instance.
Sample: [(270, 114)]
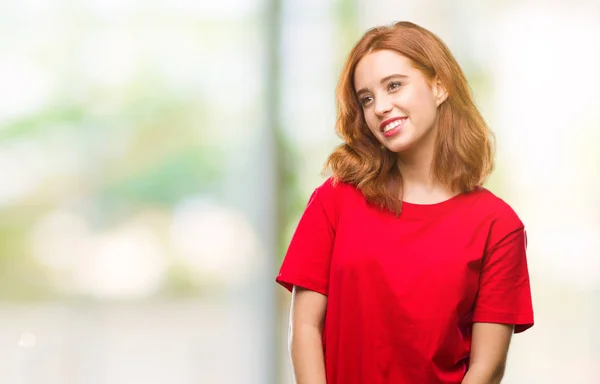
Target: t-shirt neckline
[(434, 209)]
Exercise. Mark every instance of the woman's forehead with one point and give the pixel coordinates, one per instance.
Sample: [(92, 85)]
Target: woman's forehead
[(378, 65)]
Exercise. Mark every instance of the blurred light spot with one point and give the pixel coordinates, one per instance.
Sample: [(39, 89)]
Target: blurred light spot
[(214, 239), (27, 340), (125, 263)]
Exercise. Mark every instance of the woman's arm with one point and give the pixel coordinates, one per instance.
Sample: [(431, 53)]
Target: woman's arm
[(307, 315), (489, 349)]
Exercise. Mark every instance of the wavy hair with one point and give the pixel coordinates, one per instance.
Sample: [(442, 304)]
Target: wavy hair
[(463, 153)]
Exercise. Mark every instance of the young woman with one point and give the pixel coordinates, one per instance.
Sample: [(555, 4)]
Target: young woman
[(403, 268)]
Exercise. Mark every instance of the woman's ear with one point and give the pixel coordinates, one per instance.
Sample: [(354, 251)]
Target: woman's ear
[(439, 92)]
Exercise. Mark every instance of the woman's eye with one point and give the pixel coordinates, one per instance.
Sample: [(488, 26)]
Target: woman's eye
[(365, 100), (394, 85)]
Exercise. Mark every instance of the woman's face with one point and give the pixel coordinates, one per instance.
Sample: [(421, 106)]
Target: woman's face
[(399, 104)]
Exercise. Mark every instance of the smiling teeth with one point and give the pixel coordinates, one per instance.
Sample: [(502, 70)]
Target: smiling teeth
[(392, 125)]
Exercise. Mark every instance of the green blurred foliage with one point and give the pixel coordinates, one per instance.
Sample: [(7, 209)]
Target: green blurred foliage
[(161, 158)]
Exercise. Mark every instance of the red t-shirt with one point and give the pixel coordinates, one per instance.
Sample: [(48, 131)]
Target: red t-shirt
[(404, 291)]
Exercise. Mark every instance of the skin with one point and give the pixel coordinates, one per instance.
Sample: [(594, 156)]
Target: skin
[(389, 86), (489, 348), (305, 334)]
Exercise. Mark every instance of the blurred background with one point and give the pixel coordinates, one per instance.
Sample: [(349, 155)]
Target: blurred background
[(156, 155)]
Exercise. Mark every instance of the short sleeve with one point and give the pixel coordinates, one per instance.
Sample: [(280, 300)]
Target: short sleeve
[(307, 260), (504, 294)]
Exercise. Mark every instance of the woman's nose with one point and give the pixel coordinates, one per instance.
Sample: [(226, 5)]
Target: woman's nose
[(383, 105)]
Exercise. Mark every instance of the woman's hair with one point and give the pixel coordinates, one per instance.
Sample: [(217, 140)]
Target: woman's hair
[(463, 153)]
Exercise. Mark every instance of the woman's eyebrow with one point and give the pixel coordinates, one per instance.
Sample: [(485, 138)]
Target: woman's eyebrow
[(395, 75)]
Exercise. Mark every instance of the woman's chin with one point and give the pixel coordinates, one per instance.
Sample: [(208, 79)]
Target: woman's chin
[(397, 147)]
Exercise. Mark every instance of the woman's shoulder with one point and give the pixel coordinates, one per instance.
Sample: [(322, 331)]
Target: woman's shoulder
[(335, 195), (496, 208), (334, 188)]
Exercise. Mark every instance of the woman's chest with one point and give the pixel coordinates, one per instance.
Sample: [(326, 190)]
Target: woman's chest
[(406, 255)]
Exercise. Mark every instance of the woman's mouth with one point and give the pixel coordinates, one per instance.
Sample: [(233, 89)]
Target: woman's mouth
[(393, 126)]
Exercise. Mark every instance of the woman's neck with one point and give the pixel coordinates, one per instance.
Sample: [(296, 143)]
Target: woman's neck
[(418, 184)]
